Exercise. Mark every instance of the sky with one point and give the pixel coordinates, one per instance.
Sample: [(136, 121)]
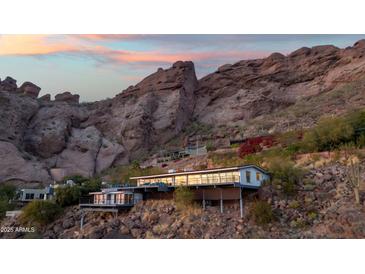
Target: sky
[(99, 66)]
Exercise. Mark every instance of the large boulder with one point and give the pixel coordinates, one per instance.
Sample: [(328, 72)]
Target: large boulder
[(9, 84), (15, 114), (67, 97), (29, 89), (49, 129), (88, 153), (80, 155), (14, 168), (110, 153), (45, 98)]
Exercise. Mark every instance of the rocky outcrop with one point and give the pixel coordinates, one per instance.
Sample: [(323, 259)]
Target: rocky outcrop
[(45, 98), (9, 84), (88, 153), (29, 89), (15, 114), (15, 168), (110, 153), (150, 113), (49, 130), (67, 97), (236, 94)]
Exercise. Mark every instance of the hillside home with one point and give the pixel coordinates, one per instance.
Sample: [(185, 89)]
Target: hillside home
[(30, 194), (209, 186)]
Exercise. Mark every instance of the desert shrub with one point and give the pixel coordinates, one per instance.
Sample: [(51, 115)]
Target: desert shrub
[(68, 195), (356, 119), (262, 212), (255, 144), (91, 185), (360, 141), (183, 197), (135, 164), (210, 146), (40, 212), (7, 193), (329, 133), (226, 159), (237, 145), (294, 204), (198, 128), (254, 159), (289, 138), (312, 215), (4, 206), (285, 173)]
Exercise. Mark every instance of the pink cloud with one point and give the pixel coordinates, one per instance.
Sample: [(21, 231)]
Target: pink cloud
[(106, 36), (30, 45)]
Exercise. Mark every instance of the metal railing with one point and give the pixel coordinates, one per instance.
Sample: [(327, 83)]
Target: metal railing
[(91, 201)]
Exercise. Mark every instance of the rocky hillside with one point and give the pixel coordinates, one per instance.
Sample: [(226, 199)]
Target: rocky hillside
[(323, 207), (246, 98)]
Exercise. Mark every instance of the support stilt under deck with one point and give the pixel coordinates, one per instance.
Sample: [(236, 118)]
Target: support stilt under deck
[(203, 200), (241, 203), (82, 220), (221, 201)]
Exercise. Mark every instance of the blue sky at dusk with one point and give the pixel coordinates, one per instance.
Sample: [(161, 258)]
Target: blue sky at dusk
[(100, 66)]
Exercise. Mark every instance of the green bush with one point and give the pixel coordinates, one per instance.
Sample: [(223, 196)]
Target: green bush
[(40, 212), (329, 133), (4, 206), (183, 197), (286, 174), (356, 119), (68, 195), (262, 212), (210, 146), (92, 185), (7, 193)]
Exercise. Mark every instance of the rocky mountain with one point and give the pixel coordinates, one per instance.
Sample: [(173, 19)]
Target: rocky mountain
[(249, 97)]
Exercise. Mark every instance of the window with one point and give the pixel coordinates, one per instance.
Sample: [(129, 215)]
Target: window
[(41, 196), (99, 199), (258, 176), (29, 196), (180, 180), (194, 179), (248, 176)]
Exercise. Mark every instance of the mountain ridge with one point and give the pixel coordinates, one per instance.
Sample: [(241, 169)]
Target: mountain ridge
[(249, 97)]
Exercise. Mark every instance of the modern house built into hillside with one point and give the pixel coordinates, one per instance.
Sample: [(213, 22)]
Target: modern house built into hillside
[(208, 186), (30, 194)]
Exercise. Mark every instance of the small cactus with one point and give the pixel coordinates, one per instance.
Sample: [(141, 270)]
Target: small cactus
[(354, 177)]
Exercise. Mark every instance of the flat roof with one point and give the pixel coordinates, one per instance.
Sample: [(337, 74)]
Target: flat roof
[(212, 170)]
